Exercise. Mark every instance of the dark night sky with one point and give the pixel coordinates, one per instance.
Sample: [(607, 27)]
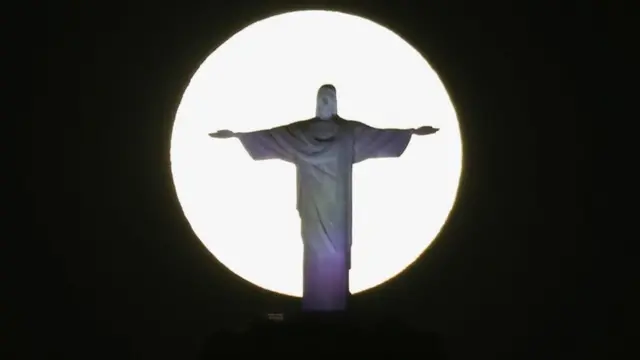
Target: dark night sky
[(115, 258)]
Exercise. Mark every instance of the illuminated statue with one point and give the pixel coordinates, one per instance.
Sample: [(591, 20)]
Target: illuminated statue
[(324, 150)]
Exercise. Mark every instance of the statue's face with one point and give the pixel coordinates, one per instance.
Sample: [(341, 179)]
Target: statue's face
[(327, 103)]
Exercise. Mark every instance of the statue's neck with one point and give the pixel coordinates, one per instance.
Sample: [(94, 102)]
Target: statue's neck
[(325, 114), (326, 117)]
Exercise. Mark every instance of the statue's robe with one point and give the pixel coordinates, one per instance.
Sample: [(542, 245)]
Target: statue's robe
[(324, 152)]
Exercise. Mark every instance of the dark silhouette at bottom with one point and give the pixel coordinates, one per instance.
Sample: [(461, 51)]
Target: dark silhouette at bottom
[(324, 333)]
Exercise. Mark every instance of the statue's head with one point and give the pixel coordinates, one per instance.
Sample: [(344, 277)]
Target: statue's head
[(327, 105)]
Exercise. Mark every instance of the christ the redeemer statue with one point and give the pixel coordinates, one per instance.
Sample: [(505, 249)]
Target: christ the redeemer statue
[(324, 150)]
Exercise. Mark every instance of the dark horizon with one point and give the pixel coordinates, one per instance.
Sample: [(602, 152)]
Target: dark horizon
[(514, 267)]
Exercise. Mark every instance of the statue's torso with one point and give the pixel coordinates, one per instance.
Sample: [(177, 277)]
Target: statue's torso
[(324, 186)]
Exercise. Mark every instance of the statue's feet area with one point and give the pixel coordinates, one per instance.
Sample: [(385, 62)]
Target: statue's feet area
[(326, 333)]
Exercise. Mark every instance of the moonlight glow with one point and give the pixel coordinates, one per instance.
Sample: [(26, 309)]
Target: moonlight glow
[(267, 75)]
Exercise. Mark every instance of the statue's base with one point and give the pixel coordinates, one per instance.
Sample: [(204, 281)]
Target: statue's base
[(309, 322), (314, 317), (326, 332)]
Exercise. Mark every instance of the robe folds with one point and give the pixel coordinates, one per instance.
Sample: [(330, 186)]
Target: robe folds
[(324, 152)]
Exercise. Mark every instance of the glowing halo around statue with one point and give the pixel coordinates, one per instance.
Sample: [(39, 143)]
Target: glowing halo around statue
[(244, 211)]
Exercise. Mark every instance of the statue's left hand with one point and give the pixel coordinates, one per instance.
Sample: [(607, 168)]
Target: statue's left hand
[(223, 134), (425, 130)]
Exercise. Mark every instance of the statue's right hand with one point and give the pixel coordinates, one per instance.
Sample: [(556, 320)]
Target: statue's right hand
[(222, 134)]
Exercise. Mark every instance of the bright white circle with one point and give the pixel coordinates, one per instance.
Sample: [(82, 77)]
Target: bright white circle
[(267, 75)]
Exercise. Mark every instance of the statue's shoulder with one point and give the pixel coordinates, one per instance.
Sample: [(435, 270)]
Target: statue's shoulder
[(301, 123), (347, 123)]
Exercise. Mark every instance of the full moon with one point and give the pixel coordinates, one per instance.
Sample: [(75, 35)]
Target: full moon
[(267, 75)]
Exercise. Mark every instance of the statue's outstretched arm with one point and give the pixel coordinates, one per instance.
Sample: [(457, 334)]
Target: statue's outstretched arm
[(262, 144), (425, 130)]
